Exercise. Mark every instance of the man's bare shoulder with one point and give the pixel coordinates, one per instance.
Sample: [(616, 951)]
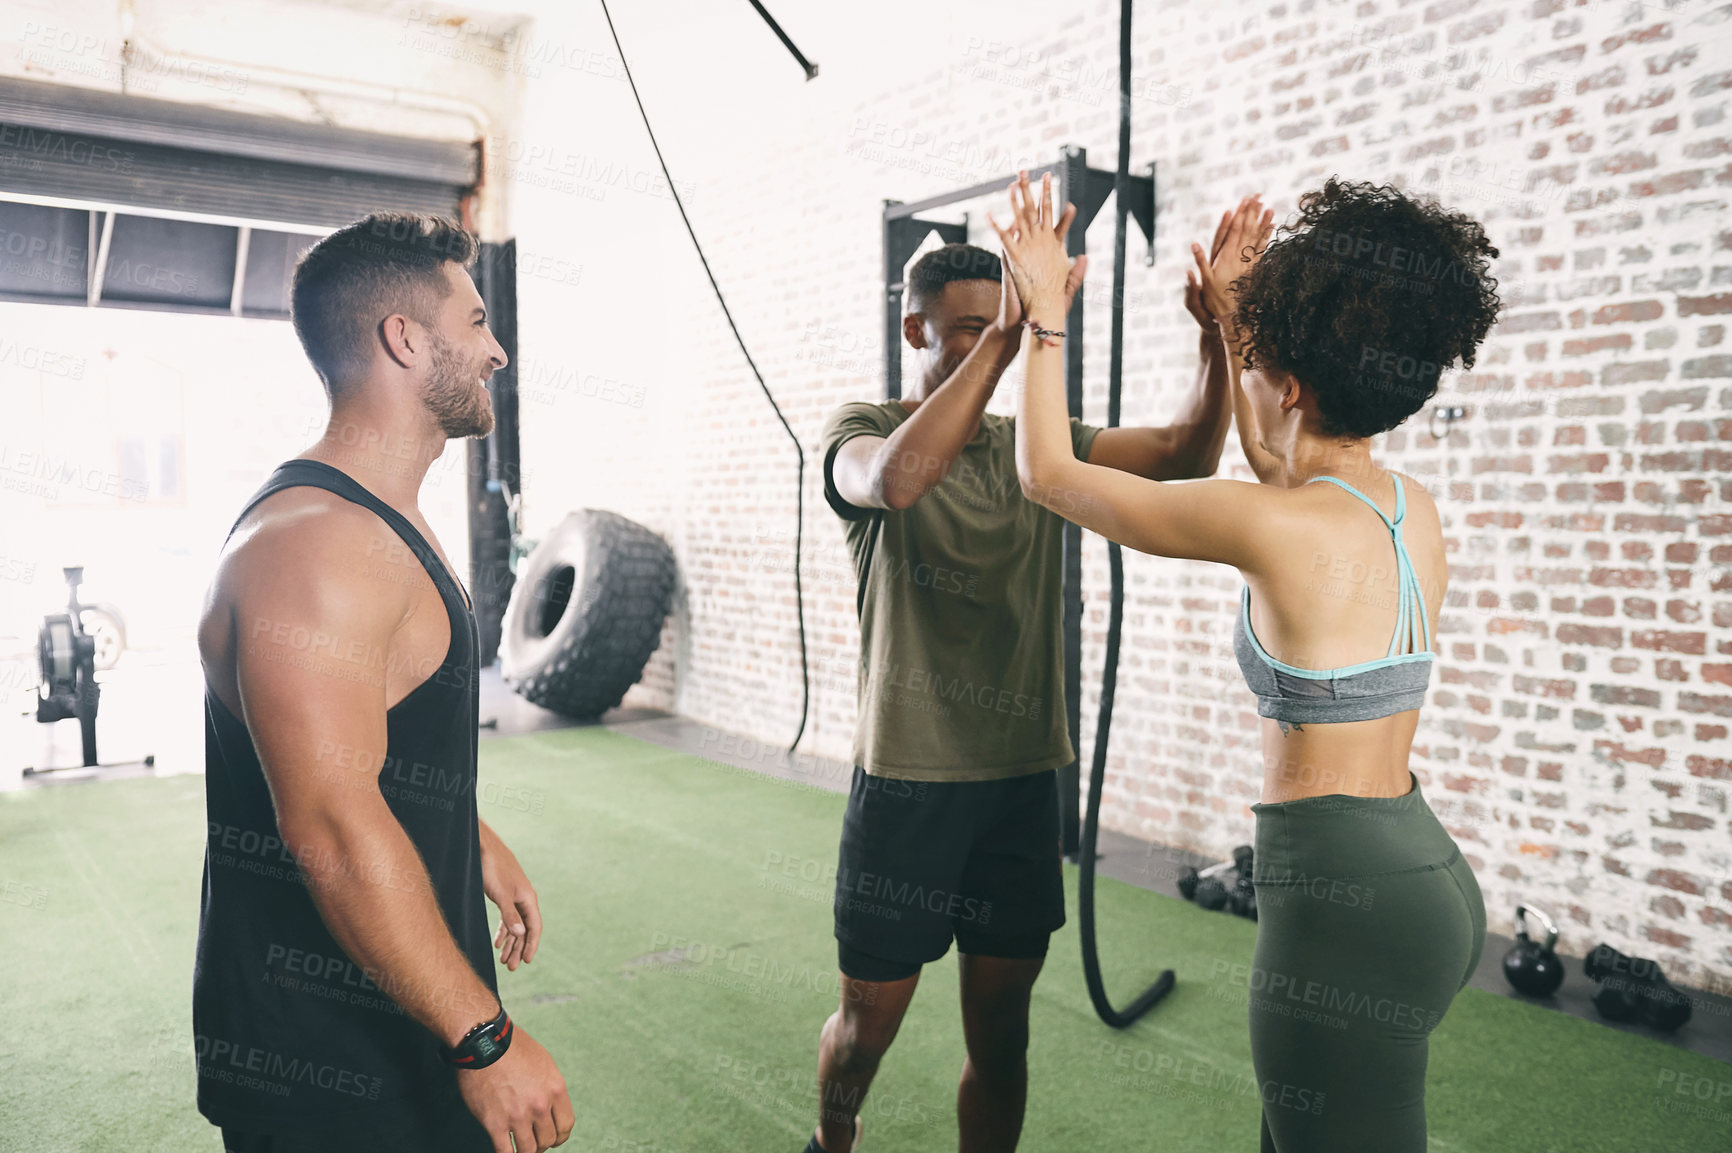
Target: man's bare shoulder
[(305, 535)]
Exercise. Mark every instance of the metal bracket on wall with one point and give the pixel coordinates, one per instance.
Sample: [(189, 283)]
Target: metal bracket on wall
[(1449, 414)]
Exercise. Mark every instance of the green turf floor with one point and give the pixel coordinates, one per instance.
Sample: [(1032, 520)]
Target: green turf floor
[(688, 966)]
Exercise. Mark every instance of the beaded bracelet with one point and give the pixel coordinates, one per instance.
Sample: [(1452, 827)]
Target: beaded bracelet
[(1040, 333)]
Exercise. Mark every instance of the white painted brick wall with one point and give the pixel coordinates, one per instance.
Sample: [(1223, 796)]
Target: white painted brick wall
[(1576, 737)]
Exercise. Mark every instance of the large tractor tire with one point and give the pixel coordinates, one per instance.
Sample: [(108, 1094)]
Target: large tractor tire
[(585, 613)]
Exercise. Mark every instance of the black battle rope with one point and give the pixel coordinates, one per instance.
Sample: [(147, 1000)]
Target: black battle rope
[(800, 489), (1110, 675)]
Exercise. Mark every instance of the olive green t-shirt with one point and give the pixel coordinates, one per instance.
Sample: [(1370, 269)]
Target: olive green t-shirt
[(961, 672)]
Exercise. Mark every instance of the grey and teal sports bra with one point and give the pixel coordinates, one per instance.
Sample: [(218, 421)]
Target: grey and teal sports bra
[(1361, 692)]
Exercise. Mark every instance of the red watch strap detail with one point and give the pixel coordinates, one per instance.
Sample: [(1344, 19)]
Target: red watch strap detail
[(501, 1029)]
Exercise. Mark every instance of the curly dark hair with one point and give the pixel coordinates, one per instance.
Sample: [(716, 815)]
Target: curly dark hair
[(1366, 300)]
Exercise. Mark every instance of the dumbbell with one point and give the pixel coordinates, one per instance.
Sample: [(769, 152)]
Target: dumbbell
[(1634, 988), (1244, 896), (1206, 888)]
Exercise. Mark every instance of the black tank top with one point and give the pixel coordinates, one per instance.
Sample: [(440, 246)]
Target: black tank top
[(288, 1030)]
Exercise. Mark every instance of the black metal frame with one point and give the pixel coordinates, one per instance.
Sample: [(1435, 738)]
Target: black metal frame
[(107, 149), (806, 65), (495, 463), (94, 291), (1088, 188)]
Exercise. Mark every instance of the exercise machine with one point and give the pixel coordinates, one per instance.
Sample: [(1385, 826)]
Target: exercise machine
[(66, 656)]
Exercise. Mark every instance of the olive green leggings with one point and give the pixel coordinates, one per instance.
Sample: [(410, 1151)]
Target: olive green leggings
[(1369, 922)]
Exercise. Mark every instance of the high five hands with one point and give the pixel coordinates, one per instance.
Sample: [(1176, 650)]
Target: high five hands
[(1239, 241), (1041, 278), (1037, 267)]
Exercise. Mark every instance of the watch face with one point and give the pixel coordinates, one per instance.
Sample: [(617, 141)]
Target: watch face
[(485, 1045), (492, 1043)]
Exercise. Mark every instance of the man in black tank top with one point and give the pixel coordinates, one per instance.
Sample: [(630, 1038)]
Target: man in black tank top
[(344, 994)]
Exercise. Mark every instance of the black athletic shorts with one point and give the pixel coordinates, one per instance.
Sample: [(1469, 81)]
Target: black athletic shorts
[(922, 862), (442, 1127)]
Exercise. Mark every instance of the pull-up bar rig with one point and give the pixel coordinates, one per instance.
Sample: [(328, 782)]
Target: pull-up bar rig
[(1087, 188)]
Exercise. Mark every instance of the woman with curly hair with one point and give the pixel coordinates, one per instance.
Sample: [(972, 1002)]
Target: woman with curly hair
[(1369, 920)]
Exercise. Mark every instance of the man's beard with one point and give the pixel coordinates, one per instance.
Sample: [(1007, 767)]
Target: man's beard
[(450, 393)]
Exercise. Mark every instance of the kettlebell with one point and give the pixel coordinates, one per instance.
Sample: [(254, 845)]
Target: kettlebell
[(1529, 967), (1214, 893)]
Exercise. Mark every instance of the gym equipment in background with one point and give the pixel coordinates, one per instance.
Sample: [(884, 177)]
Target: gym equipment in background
[(806, 65), (107, 629), (1128, 197), (1243, 899), (66, 657), (811, 71), (1208, 889), (1532, 967), (1634, 989), (585, 613), (1205, 888)]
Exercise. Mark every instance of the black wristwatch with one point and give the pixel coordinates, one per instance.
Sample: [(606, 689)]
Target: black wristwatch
[(482, 1045)]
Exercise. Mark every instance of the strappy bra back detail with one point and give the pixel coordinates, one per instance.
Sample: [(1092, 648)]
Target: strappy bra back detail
[(1393, 683)]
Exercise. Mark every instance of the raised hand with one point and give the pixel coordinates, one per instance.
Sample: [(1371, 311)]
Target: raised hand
[(1045, 276), (1247, 234), (1194, 289)]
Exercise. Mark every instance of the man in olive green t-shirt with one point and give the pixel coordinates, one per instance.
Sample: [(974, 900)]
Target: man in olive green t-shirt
[(951, 829), (961, 646)]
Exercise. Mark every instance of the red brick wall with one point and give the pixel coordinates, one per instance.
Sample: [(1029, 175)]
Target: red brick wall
[(1576, 737)]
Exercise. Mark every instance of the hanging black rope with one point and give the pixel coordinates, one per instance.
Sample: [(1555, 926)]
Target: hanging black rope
[(810, 68), (800, 453), (1117, 1018)]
